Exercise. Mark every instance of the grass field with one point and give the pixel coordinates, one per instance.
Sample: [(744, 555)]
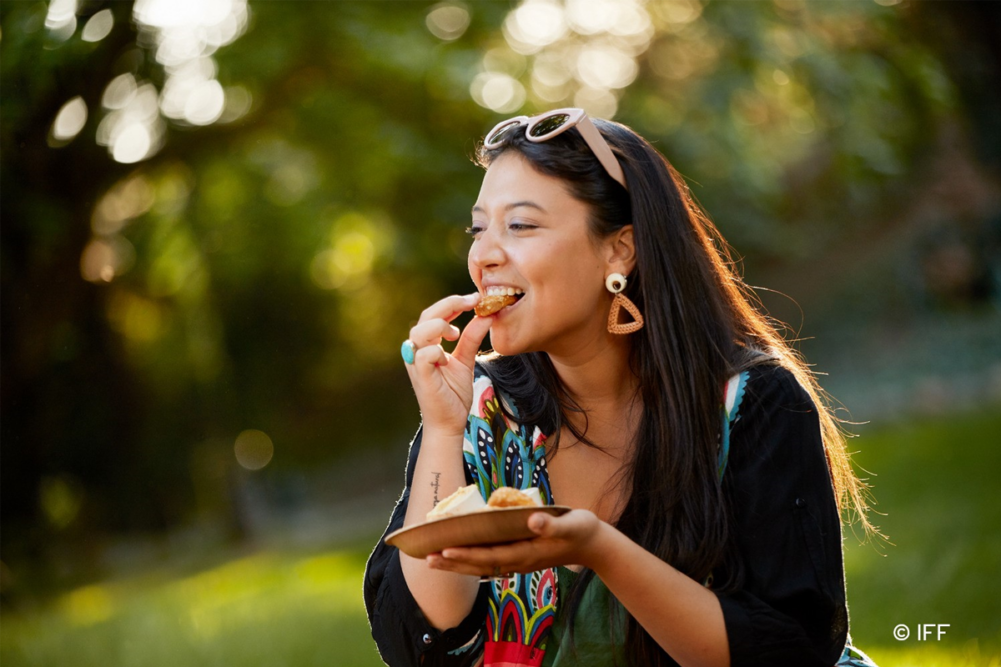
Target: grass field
[(936, 485)]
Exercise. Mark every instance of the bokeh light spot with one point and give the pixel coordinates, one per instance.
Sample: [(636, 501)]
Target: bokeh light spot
[(127, 200), (588, 17), (498, 92), (98, 26), (238, 103), (135, 131), (132, 145), (597, 102), (61, 19), (604, 66), (105, 258), (253, 449), (679, 12), (205, 103), (504, 61), (540, 22), (448, 21), (87, 606), (60, 13), (140, 320), (350, 258), (119, 92), (69, 122), (60, 499)]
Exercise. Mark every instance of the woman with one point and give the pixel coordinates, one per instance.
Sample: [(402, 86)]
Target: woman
[(634, 381)]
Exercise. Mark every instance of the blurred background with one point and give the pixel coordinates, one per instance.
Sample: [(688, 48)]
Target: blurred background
[(220, 218)]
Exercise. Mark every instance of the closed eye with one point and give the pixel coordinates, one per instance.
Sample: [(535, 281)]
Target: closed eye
[(473, 230)]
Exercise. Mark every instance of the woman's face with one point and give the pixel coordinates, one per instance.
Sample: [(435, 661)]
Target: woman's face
[(529, 234)]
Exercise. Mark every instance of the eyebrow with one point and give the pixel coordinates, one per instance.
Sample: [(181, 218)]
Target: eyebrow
[(529, 204)]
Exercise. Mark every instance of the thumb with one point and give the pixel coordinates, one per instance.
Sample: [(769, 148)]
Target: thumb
[(472, 336), (542, 525)]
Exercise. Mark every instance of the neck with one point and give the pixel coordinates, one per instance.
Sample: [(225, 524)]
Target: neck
[(598, 377)]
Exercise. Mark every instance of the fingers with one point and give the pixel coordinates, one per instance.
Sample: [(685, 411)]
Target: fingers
[(488, 557), (479, 561), (450, 307), (437, 562), (432, 331), (472, 337), (426, 359)]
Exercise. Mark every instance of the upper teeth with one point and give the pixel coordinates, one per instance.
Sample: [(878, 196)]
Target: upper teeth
[(501, 291)]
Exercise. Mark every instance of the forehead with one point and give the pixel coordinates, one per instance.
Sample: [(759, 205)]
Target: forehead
[(512, 178)]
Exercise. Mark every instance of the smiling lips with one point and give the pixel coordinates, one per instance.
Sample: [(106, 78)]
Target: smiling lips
[(496, 298)]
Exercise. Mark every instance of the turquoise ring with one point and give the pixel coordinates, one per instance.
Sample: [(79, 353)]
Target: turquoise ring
[(407, 351)]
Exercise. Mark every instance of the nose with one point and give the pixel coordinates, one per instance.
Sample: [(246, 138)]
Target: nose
[(487, 250)]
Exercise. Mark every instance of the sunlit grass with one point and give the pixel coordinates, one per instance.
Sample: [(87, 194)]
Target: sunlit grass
[(265, 609), (934, 656), (936, 485)]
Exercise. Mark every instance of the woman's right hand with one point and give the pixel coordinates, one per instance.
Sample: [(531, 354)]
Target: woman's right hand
[(443, 381)]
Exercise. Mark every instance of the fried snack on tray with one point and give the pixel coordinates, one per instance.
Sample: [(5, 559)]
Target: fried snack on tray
[(467, 499), (506, 496), (489, 305)]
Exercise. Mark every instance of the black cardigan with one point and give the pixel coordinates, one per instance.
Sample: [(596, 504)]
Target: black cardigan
[(791, 609)]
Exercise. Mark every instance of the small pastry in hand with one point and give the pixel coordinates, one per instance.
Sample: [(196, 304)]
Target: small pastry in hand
[(506, 496)]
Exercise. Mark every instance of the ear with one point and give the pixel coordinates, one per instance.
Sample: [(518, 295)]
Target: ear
[(620, 249)]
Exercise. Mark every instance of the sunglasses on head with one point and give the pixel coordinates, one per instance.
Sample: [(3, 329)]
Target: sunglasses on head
[(545, 126)]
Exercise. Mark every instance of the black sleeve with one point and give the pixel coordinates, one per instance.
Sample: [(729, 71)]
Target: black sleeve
[(791, 609), (402, 634)]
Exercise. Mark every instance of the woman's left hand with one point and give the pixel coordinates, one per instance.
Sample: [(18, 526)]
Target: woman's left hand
[(564, 540)]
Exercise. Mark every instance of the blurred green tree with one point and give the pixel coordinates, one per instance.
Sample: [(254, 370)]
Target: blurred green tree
[(222, 221)]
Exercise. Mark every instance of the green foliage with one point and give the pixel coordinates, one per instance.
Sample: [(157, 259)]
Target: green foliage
[(793, 120), (261, 272)]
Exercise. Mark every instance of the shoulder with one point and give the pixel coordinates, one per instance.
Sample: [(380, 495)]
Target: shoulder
[(778, 422), (773, 388)]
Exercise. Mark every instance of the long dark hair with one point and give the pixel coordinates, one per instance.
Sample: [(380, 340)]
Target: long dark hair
[(703, 324)]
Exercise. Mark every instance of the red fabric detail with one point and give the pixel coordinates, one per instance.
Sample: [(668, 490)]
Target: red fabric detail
[(510, 620), (511, 654)]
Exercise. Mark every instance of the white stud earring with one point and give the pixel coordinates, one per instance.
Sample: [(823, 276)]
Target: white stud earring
[(615, 283)]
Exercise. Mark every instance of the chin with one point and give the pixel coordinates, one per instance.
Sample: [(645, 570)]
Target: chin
[(504, 345)]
